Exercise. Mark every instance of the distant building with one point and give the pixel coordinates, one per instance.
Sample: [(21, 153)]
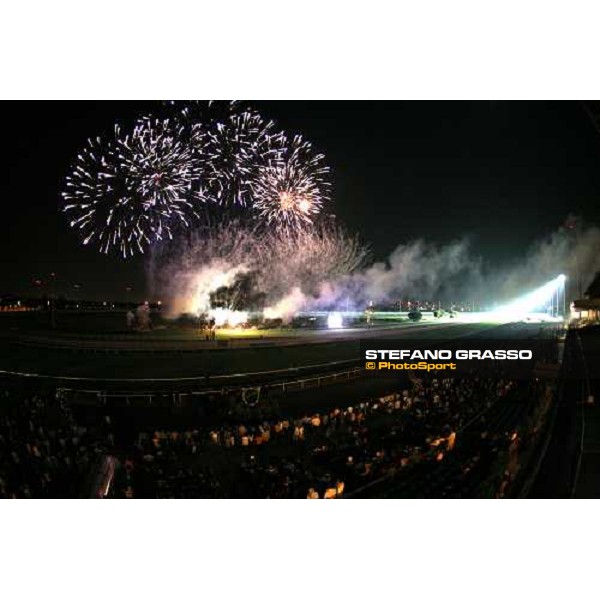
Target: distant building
[(588, 307)]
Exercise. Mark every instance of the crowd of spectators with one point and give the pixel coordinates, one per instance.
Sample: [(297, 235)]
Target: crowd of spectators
[(47, 450), (323, 454), (44, 452)]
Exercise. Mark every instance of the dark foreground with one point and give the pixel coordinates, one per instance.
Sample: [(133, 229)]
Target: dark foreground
[(571, 465), (364, 438)]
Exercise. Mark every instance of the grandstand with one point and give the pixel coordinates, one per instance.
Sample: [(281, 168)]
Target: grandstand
[(319, 429)]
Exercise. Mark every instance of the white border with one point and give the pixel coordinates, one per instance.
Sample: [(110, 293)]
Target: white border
[(278, 549), (314, 49), (276, 50)]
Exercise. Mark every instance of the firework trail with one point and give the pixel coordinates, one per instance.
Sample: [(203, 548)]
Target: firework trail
[(306, 258), (125, 193), (292, 189)]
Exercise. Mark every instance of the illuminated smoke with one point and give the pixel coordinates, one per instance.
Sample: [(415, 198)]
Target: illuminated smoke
[(287, 307), (207, 281), (226, 316), (574, 249), (324, 268), (285, 269)]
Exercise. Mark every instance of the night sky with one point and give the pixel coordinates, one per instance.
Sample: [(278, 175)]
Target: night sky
[(501, 173)]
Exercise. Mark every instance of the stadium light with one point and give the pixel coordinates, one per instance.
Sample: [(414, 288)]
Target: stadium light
[(527, 305), (334, 320), (530, 306)]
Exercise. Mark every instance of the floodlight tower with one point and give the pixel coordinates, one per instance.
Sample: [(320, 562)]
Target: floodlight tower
[(560, 290)]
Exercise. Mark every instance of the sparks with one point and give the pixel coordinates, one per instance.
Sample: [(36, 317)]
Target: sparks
[(293, 188)]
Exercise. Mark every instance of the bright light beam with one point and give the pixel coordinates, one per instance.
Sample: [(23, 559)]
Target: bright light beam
[(529, 306), (538, 299)]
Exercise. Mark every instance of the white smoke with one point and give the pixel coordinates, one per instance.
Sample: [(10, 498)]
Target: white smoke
[(573, 251), (418, 269), (195, 287), (288, 306), (324, 270)]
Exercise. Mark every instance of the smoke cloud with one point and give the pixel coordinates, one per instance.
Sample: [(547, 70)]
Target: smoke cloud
[(327, 269), (574, 249)]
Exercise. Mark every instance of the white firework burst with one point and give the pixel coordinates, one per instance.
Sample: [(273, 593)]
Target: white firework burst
[(293, 188), (235, 148), (129, 191)]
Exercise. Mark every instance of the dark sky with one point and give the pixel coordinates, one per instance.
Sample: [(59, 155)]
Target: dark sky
[(502, 173)]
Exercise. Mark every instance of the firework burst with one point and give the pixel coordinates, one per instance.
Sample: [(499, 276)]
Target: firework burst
[(235, 149), (292, 189), (127, 192), (163, 168), (218, 159)]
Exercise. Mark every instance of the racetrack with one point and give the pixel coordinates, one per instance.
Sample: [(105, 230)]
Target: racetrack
[(144, 358)]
